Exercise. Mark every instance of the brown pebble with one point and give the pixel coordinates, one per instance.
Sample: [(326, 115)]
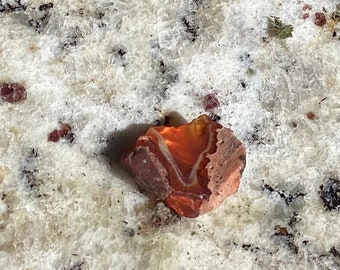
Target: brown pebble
[(311, 115), (281, 230)]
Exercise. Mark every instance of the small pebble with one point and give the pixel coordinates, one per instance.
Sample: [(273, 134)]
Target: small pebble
[(63, 132), (307, 7), (12, 92), (320, 19), (310, 115), (210, 102)]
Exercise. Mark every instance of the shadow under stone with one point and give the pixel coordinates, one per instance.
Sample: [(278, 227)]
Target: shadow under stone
[(123, 141)]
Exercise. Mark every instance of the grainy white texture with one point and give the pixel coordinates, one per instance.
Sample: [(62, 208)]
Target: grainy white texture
[(103, 65)]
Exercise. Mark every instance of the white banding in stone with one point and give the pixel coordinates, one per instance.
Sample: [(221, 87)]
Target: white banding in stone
[(166, 152)]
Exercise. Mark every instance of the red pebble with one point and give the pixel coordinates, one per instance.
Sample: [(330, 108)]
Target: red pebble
[(307, 7), (210, 102), (192, 167), (12, 92), (305, 16), (54, 136), (63, 132), (320, 19)]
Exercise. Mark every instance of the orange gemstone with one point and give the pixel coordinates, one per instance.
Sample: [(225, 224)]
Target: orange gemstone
[(192, 167)]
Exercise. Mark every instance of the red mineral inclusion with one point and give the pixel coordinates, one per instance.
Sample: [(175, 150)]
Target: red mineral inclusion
[(63, 132), (12, 92), (193, 167), (210, 102)]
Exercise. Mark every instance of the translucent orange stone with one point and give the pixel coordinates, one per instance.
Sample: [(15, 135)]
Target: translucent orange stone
[(192, 167)]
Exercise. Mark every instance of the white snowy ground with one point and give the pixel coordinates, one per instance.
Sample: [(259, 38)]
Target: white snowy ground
[(103, 65)]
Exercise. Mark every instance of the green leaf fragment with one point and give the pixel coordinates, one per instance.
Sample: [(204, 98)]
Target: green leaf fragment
[(279, 30)]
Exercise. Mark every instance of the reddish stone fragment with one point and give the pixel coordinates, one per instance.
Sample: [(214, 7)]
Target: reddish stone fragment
[(210, 102), (12, 92), (54, 136), (63, 132), (311, 115), (307, 7), (320, 19), (193, 167), (305, 16)]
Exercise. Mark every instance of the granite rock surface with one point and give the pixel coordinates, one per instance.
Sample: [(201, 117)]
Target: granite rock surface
[(102, 67)]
